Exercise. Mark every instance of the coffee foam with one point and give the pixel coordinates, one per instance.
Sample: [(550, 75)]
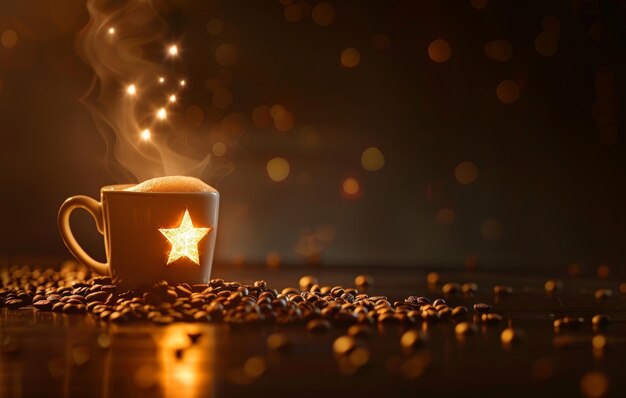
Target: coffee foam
[(172, 184)]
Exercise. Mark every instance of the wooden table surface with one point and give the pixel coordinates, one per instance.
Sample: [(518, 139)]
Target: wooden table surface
[(51, 354)]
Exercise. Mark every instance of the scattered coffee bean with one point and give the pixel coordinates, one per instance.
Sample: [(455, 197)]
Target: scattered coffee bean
[(603, 294), (469, 288), (43, 305), (552, 286), (360, 331), (278, 342), (482, 308), (344, 345), (306, 282), (501, 290), (569, 322), (318, 326), (411, 339), (433, 278), (450, 288), (509, 336), (600, 320), (459, 312), (363, 281), (490, 318), (599, 342), (464, 329)]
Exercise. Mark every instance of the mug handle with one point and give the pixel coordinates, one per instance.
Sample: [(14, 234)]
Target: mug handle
[(95, 209)]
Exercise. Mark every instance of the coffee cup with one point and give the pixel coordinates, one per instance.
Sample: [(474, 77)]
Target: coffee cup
[(163, 230)]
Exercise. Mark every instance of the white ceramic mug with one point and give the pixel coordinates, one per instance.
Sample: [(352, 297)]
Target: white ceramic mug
[(148, 236)]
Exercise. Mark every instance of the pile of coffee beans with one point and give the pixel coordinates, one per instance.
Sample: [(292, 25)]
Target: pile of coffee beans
[(73, 290)]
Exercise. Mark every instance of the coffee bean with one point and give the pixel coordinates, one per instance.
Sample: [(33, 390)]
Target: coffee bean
[(344, 345), (201, 316), (102, 280), (490, 318), (74, 308), (569, 322), (450, 288), (360, 331), (552, 286), (459, 312), (600, 320), (97, 296), (318, 326), (411, 339), (58, 307), (433, 278), (278, 342), (469, 288), (501, 290), (603, 294), (182, 291), (163, 320), (43, 305), (482, 308), (14, 304), (509, 336), (363, 281), (464, 329)]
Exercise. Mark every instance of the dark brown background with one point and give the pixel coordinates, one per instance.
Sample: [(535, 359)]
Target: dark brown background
[(550, 171)]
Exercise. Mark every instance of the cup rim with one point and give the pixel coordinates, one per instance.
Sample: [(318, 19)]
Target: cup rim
[(119, 189)]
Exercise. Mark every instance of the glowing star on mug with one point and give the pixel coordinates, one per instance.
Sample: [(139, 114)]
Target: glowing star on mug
[(184, 240)]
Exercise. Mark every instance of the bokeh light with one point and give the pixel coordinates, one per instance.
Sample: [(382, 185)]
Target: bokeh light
[(194, 116), (218, 149), (162, 114), (222, 98), (491, 229), (323, 14), (351, 186), (283, 119), (350, 57), (293, 13), (499, 50), (546, 45), (146, 135), (381, 42), (278, 169), (445, 216), (273, 259), (508, 91), (111, 31), (372, 159), (173, 50), (439, 51), (172, 98), (466, 172), (226, 55), (478, 4), (9, 38), (215, 26), (262, 117), (131, 89), (594, 384)]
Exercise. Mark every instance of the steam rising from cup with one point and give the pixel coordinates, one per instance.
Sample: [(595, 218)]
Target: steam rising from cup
[(134, 96)]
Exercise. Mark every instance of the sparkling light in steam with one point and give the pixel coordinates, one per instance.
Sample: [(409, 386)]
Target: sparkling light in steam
[(131, 90), (145, 135), (162, 114)]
